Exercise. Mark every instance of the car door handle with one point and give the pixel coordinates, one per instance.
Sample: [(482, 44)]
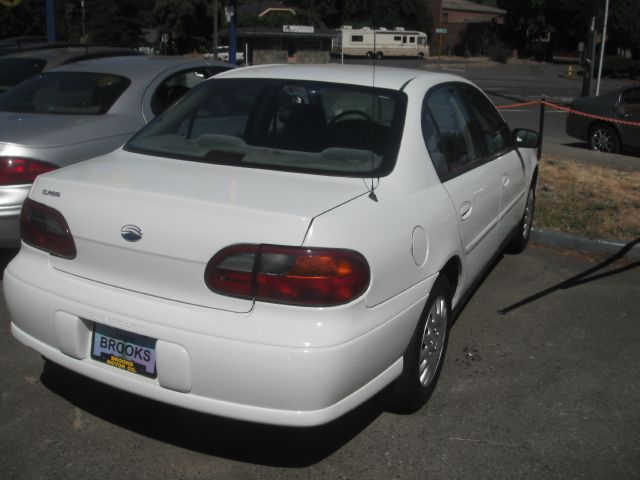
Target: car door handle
[(505, 181), (465, 210)]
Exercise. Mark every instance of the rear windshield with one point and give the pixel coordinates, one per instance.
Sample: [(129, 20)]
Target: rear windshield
[(16, 70), (312, 127), (65, 93)]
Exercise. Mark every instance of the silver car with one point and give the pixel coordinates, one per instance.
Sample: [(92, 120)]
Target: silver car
[(79, 111), (18, 66)]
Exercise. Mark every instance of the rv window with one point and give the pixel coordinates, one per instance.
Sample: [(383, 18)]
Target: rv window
[(397, 38), (404, 39), (357, 38), (412, 39)]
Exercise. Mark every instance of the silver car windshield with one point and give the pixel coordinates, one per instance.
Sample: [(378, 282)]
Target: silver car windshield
[(71, 93), (305, 126)]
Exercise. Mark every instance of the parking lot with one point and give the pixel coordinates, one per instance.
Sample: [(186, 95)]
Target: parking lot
[(547, 390)]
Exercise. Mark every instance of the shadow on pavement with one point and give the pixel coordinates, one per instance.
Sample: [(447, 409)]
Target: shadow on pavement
[(207, 434), (582, 278)]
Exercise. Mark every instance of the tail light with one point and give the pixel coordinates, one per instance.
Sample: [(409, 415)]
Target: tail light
[(290, 275), (21, 171), (45, 228)]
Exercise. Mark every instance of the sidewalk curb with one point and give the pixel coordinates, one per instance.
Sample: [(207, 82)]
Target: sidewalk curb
[(580, 243)]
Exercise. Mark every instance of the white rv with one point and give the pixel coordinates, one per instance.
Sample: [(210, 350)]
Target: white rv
[(380, 42)]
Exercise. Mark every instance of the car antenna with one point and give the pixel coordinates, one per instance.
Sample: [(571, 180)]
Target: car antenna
[(372, 193)]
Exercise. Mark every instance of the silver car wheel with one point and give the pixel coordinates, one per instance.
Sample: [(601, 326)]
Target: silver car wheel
[(433, 341), (603, 139)]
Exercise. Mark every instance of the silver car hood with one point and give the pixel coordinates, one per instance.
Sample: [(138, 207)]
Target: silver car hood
[(39, 130)]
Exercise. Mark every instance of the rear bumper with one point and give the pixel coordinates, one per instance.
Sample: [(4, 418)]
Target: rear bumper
[(198, 369)]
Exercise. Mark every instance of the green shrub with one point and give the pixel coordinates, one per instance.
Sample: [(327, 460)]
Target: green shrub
[(620, 67), (499, 52)]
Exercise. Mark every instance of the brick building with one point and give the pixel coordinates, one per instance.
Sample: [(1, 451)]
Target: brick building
[(455, 16)]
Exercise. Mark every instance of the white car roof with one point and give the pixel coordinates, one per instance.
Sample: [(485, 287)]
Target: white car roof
[(365, 75)]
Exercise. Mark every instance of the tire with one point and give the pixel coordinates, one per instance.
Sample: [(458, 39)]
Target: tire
[(603, 138), (520, 238), (369, 54), (423, 361), (379, 55), (421, 55)]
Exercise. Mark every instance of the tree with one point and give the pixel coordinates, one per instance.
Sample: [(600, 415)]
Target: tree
[(25, 19), (187, 22), (623, 24), (115, 23), (562, 22)]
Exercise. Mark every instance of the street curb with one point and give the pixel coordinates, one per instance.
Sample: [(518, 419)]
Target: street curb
[(584, 244)]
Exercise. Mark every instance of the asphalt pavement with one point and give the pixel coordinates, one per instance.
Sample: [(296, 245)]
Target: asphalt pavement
[(548, 390)]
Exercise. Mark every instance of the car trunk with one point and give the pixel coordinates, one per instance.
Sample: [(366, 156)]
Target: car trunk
[(186, 211)]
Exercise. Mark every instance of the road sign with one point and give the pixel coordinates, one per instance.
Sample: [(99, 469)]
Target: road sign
[(441, 30)]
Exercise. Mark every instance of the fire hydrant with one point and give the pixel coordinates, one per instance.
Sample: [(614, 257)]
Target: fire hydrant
[(569, 71)]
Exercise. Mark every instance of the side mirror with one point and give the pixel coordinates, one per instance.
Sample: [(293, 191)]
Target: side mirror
[(525, 138)]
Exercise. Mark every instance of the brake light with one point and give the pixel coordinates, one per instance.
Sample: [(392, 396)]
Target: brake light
[(290, 275), (21, 171), (45, 228)]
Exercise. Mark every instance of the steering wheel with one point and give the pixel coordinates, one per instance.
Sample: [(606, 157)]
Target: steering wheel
[(346, 113)]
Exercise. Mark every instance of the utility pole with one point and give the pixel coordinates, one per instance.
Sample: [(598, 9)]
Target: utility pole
[(84, 31), (51, 21), (602, 43), (590, 59), (215, 29), (233, 39)]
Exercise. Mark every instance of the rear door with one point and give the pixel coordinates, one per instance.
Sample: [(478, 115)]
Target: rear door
[(472, 183), (499, 149)]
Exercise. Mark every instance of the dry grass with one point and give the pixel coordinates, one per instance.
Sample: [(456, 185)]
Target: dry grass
[(588, 200)]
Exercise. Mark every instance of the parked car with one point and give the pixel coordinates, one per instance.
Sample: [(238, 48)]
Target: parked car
[(80, 111), (604, 134), (19, 66), (278, 247)]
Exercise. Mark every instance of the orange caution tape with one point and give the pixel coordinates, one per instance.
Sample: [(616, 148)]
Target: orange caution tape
[(518, 105), (570, 111)]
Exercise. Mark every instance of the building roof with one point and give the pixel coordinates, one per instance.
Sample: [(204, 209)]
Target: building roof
[(260, 9), (274, 32), (466, 6)]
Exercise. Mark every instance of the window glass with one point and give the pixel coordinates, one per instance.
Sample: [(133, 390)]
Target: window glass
[(174, 87), (16, 70), (632, 96), (302, 126), (493, 128), (452, 121), (433, 141), (397, 38), (412, 39), (357, 38), (65, 93)]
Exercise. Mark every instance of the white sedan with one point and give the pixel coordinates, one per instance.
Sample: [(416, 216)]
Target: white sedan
[(280, 246)]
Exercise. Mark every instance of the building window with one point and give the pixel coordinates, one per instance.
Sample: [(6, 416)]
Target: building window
[(357, 38), (445, 17)]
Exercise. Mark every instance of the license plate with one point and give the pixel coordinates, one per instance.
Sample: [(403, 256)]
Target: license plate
[(124, 350)]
